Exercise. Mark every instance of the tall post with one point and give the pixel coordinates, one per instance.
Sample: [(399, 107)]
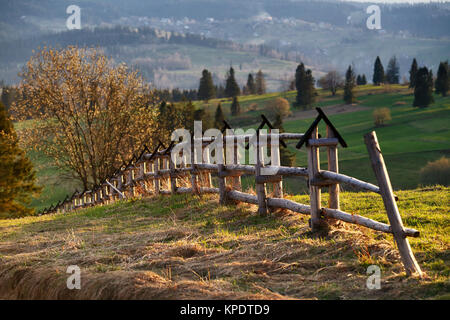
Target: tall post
[(278, 185), (173, 175), (395, 220), (156, 172), (194, 181), (333, 166), (260, 185), (314, 191), (206, 176), (222, 179)]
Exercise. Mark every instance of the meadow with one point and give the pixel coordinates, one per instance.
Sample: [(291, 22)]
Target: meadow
[(190, 247)]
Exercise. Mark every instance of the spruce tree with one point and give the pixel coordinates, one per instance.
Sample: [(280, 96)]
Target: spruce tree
[(378, 72), (17, 177), (235, 107), (442, 80), (260, 83), (423, 90), (359, 80), (392, 72), (219, 117), (363, 80), (304, 83), (412, 73), (349, 94), (206, 89), (251, 86), (231, 88)]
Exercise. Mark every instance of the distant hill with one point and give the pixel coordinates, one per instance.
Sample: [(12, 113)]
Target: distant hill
[(324, 34)]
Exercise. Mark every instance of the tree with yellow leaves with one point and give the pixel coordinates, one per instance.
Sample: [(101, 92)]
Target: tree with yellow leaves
[(88, 114)]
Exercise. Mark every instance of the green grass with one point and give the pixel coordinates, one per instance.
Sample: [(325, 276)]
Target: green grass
[(189, 247)]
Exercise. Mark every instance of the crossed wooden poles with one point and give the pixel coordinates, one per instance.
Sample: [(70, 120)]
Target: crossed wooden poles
[(155, 173)]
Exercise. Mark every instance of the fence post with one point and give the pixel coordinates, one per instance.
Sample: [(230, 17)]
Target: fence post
[(236, 180), (194, 183), (277, 186), (333, 166), (173, 175), (206, 176), (260, 185), (222, 179), (395, 220), (156, 172), (314, 191)]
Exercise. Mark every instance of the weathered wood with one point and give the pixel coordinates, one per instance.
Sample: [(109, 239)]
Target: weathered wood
[(366, 222), (222, 181), (156, 180), (288, 204), (333, 166), (379, 167), (314, 191), (278, 184), (323, 142), (260, 187), (269, 179), (194, 178), (243, 197), (173, 175)]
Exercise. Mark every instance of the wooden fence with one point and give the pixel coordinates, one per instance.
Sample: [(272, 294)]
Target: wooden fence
[(155, 173)]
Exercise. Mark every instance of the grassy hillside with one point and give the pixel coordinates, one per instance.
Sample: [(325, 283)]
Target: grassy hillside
[(190, 247), (413, 137)]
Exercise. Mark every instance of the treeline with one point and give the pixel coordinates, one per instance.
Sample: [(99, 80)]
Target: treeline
[(114, 37)]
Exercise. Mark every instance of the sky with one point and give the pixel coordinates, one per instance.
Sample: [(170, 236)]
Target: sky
[(398, 1)]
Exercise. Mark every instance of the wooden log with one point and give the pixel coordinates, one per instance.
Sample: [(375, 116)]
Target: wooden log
[(314, 191), (288, 204), (209, 190), (333, 166), (243, 197), (363, 221), (395, 220), (338, 177), (324, 142)]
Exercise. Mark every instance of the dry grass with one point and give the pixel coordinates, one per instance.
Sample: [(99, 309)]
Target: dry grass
[(187, 247)]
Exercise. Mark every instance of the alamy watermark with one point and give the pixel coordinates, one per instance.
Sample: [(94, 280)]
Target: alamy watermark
[(228, 148), (373, 282), (74, 20), (74, 280)]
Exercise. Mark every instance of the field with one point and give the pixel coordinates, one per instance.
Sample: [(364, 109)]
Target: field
[(190, 247)]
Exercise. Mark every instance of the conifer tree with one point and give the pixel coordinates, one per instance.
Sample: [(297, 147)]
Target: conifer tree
[(219, 117), (304, 83), (251, 86), (17, 177), (235, 107), (349, 94), (260, 83), (412, 73), (363, 80), (378, 72), (206, 89), (442, 80), (423, 90), (359, 80), (231, 88), (392, 72)]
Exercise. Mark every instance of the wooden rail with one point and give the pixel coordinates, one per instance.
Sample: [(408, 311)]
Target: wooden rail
[(155, 173)]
